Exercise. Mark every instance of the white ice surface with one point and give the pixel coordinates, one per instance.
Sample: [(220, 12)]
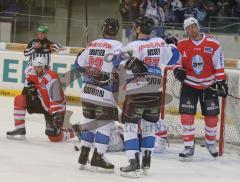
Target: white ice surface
[(37, 160)]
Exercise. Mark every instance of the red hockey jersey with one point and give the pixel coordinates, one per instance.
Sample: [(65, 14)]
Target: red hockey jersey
[(203, 61), (49, 90)]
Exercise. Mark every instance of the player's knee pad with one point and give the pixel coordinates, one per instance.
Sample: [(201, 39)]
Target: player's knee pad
[(20, 102), (211, 107), (187, 119), (211, 121), (56, 138)]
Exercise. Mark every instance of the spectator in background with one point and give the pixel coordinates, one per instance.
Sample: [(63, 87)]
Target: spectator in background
[(193, 9), (170, 7), (152, 9), (236, 9), (176, 4), (129, 10)]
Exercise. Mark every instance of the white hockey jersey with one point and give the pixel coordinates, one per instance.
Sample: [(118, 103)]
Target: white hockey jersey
[(95, 55), (157, 55)]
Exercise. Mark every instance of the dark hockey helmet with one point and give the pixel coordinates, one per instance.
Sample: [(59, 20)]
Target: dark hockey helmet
[(145, 24), (110, 26)]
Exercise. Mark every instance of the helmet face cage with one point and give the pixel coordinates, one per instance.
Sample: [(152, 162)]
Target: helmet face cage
[(110, 26), (145, 24)]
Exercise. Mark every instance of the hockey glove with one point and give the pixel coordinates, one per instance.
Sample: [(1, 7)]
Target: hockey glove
[(53, 126), (136, 66), (169, 39), (222, 88), (179, 74)]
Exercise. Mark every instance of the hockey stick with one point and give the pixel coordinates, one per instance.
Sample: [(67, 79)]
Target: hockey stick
[(213, 89)]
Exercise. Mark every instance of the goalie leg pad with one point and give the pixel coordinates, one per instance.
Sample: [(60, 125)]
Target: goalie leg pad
[(188, 129), (210, 129), (19, 111)]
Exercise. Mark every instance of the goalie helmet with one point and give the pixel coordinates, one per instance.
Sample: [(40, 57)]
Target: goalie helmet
[(190, 21), (145, 24), (110, 26), (40, 61)]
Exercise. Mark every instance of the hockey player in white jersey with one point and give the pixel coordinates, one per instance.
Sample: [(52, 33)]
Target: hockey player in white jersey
[(143, 94), (98, 102)]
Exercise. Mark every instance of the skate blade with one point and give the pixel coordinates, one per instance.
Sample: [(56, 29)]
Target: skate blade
[(187, 159), (16, 137), (101, 170), (145, 171), (83, 167), (133, 174)]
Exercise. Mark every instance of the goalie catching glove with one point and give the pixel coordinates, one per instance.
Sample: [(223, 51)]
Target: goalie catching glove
[(136, 66), (179, 74)]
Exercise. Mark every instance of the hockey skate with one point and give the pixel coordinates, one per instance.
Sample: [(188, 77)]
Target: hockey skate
[(100, 164), (83, 158), (187, 154), (146, 161), (133, 169), (212, 150), (17, 134)]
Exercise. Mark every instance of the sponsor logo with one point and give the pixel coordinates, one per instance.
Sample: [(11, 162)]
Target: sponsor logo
[(212, 107), (150, 45), (208, 50)]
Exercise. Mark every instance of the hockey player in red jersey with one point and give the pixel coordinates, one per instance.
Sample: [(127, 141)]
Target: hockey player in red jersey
[(200, 68), (43, 95)]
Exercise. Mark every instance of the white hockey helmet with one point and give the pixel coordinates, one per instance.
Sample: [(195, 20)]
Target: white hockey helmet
[(40, 61), (190, 21)]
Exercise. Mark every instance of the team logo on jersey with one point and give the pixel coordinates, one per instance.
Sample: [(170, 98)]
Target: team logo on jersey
[(208, 50), (197, 64)]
